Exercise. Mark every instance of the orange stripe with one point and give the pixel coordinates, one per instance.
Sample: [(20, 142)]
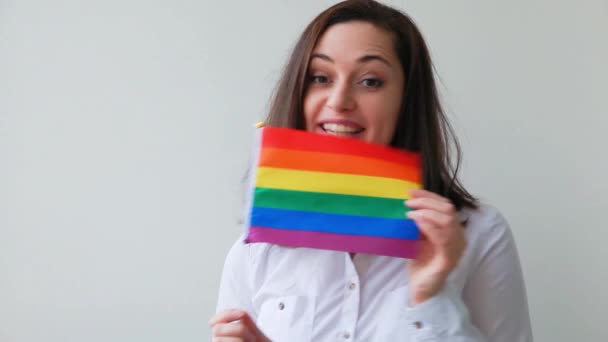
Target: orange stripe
[(336, 163)]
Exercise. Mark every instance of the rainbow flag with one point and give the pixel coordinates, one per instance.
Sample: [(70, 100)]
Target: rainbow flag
[(321, 191)]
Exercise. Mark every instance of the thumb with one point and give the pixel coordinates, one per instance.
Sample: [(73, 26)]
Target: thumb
[(248, 321)]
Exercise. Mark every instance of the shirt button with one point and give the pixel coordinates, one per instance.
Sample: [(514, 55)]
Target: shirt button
[(352, 286), (346, 335), (418, 325), (281, 306)]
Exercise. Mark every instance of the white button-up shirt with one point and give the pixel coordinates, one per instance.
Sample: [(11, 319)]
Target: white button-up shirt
[(302, 294)]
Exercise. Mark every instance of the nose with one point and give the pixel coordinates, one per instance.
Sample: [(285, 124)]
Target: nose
[(340, 98)]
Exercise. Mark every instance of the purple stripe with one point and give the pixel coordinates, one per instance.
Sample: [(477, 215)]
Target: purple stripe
[(338, 242)]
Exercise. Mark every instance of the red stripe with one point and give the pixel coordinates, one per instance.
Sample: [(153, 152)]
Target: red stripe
[(302, 140)]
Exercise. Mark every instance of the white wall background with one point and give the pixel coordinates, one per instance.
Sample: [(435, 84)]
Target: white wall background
[(125, 128)]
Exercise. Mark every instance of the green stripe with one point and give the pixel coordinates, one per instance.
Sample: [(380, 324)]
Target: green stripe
[(330, 203)]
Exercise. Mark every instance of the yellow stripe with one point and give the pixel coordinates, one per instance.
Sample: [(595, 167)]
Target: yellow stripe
[(336, 183)]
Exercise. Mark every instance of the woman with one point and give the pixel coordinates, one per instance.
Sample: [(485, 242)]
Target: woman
[(362, 70)]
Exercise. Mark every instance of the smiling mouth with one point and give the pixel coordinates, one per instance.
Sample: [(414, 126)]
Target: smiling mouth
[(341, 130)]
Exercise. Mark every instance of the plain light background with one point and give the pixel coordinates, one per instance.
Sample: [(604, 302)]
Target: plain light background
[(125, 127)]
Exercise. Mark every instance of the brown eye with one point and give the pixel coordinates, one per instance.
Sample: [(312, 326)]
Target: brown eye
[(319, 79), (372, 82)]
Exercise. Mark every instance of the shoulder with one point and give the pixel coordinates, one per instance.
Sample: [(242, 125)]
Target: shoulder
[(260, 257), (485, 222), (244, 254), (269, 269), (489, 237)]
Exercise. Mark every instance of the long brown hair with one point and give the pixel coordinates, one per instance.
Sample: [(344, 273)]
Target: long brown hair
[(422, 125)]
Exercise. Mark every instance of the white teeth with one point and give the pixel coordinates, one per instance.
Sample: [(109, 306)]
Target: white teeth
[(339, 134), (340, 129)]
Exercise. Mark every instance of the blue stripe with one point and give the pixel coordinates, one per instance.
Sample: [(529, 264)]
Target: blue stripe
[(334, 223)]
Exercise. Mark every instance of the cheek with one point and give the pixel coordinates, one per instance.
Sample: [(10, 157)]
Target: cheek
[(312, 103), (382, 114)]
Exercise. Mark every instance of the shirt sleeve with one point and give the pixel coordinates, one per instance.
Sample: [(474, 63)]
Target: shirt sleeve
[(443, 318), (235, 285), (495, 292), (492, 306)]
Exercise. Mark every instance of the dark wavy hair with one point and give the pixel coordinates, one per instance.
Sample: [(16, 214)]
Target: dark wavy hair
[(422, 125)]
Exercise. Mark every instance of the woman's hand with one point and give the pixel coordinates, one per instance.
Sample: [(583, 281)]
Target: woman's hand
[(235, 326), (442, 245)]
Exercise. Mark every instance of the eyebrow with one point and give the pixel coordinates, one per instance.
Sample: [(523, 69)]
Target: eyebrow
[(363, 59)]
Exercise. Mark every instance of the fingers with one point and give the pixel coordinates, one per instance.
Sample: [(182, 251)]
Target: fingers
[(428, 229), (440, 204), (251, 324), (234, 329), (235, 323), (437, 218), (416, 193), (434, 215), (227, 339), (431, 210), (227, 316)]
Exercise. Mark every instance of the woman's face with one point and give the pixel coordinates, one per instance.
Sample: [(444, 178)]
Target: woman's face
[(355, 84)]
